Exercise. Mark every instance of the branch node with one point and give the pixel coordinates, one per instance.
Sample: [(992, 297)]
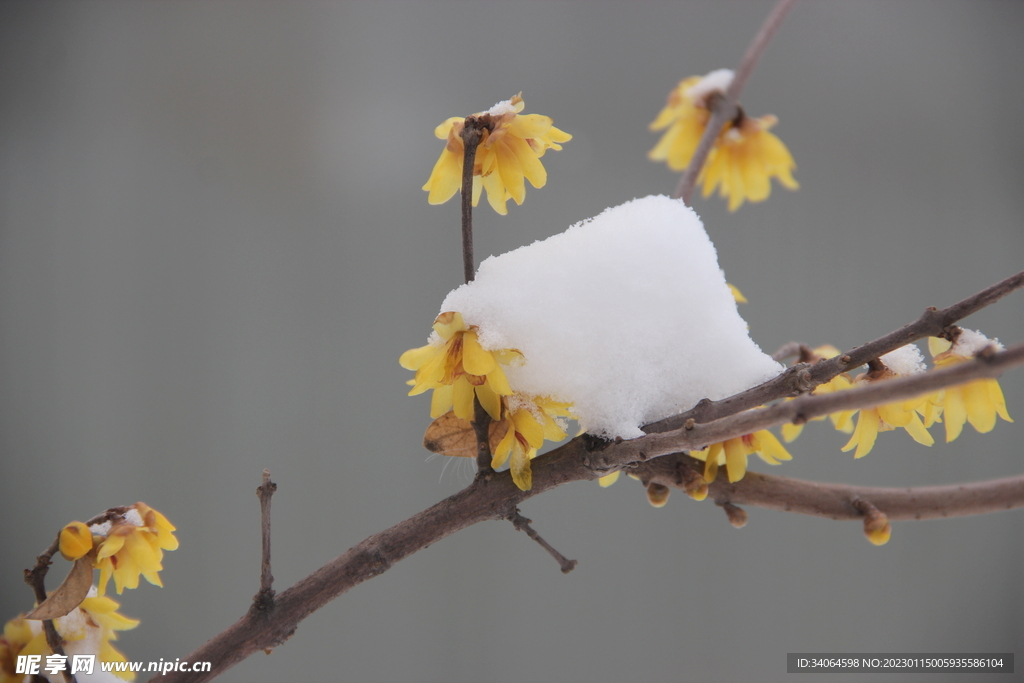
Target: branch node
[(694, 485), (689, 424), (523, 524), (845, 359), (737, 515)]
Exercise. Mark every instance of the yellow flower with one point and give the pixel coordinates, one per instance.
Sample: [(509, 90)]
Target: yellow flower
[(977, 402), (733, 454), (508, 154), (883, 418), (745, 159), (457, 368), (87, 629), (132, 546), (745, 156), (531, 421)]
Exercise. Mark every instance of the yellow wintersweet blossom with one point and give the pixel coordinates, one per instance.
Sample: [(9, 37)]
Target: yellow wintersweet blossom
[(75, 541), (531, 421), (883, 418), (745, 159), (977, 402), (733, 453), (508, 154), (88, 629), (130, 546), (458, 368), (745, 156)]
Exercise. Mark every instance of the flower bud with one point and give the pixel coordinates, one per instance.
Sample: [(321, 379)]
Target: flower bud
[(75, 541)]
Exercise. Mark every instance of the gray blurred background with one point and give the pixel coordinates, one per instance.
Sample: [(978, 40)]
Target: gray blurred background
[(214, 247)]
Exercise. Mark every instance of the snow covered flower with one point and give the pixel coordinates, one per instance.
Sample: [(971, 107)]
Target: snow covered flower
[(977, 402), (458, 368), (130, 546), (508, 154), (733, 453), (531, 420), (745, 156), (904, 361), (88, 629)]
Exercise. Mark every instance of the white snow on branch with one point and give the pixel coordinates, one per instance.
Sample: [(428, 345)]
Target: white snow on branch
[(626, 315)]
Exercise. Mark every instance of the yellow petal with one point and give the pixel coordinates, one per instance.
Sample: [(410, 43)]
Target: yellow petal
[(769, 448), (498, 382), (981, 412), (414, 359), (520, 469), (441, 401), (917, 431), (446, 178), (955, 413), (490, 401), (462, 399), (75, 541), (475, 360), (527, 425), (735, 459), (609, 479)]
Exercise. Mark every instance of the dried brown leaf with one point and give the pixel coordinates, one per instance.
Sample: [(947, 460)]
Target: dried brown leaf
[(68, 594), (451, 435)]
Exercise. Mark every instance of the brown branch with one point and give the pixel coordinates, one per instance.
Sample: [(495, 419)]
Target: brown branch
[(472, 132), (36, 578), (587, 458), (482, 430), (265, 597), (724, 108), (838, 501), (794, 381), (523, 524)]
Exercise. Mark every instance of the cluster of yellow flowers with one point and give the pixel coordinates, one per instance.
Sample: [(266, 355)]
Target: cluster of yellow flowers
[(509, 153), (978, 402), (459, 370), (745, 156), (88, 629), (130, 546)]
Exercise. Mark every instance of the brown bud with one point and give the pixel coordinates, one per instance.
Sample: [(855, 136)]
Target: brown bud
[(657, 495)]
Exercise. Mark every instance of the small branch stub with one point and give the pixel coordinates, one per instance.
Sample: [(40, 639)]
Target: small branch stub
[(264, 600), (523, 524)]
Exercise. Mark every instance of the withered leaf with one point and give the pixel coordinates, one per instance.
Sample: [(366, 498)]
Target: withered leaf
[(451, 435), (68, 594)]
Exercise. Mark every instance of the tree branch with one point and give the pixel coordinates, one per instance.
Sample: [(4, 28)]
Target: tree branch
[(587, 457), (837, 501), (265, 597)]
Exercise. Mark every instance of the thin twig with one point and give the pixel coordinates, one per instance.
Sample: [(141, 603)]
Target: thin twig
[(471, 134), (36, 578), (724, 107), (523, 524), (265, 598), (482, 430)]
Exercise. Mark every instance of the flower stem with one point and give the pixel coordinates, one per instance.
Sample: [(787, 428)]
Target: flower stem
[(724, 108), (471, 134)]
